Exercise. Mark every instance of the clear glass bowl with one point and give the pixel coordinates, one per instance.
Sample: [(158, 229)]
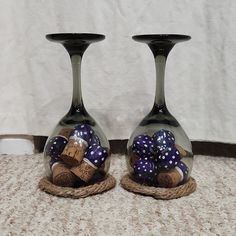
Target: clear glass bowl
[(77, 152), (159, 153)]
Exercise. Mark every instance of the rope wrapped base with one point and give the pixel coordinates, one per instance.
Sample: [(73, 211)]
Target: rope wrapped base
[(159, 193), (47, 186)]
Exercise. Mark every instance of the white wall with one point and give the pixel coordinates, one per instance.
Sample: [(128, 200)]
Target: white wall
[(118, 74)]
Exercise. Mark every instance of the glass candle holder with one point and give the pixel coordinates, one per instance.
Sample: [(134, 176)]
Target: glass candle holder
[(77, 152), (159, 153)]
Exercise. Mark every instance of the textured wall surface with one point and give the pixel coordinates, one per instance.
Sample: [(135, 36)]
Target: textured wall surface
[(25, 210), (118, 74)]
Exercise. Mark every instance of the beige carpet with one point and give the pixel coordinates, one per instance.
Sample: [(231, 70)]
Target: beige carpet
[(25, 210)]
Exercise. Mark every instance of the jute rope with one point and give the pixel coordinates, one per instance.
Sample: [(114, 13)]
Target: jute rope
[(47, 186), (159, 193)]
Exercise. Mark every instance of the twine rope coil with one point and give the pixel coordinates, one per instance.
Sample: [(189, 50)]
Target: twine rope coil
[(159, 193), (47, 186)]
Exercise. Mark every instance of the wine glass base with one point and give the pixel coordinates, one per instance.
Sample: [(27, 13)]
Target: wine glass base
[(159, 193), (106, 184)]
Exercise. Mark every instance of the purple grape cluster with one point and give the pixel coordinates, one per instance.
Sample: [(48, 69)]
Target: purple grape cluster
[(154, 154), (145, 170), (95, 153), (54, 148), (83, 131)]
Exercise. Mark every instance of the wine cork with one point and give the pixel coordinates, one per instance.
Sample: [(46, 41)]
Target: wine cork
[(94, 158), (169, 179), (74, 151), (132, 159), (84, 171), (65, 132), (182, 152), (62, 176), (102, 167), (173, 177)]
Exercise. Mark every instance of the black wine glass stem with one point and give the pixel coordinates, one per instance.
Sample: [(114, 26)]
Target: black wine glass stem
[(160, 61), (77, 101)]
